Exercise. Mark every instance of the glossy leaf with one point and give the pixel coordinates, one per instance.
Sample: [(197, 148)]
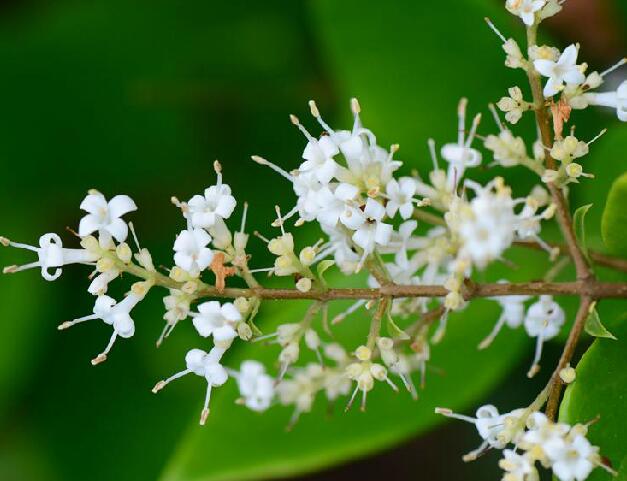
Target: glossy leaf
[(614, 221), (599, 390), (579, 219), (595, 327)]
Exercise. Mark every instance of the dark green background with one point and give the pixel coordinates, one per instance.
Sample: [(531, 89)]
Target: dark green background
[(140, 97)]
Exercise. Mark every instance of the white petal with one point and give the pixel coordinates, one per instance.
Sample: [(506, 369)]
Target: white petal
[(382, 235), (88, 224), (545, 67), (203, 326), (569, 56), (118, 229), (226, 205), (230, 312), (94, 203), (374, 210), (120, 205)]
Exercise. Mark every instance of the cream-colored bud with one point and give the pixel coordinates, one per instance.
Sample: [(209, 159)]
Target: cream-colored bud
[(574, 170), (140, 288), (594, 80), (105, 264), (354, 370), (363, 353), (290, 353), (550, 176), (312, 340), (282, 245), (385, 343), (189, 287), (244, 331), (90, 243), (242, 305), (124, 253), (287, 333), (307, 256), (453, 284), (568, 374), (378, 372), (178, 274), (365, 381), (304, 284), (453, 301)]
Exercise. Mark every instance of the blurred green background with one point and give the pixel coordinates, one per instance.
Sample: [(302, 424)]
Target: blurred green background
[(140, 97)]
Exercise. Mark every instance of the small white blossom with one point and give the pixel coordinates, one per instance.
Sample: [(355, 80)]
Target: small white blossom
[(335, 205), (105, 217), (401, 197), (572, 459), (255, 386), (517, 467), (51, 254), (219, 321), (564, 70), (115, 314), (543, 321), (191, 251), (372, 231), (205, 365), (525, 9), (216, 203)]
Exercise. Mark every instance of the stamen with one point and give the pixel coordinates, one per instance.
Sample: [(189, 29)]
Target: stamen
[(473, 130), (163, 383), (340, 317), (617, 65), (495, 30), (363, 401), (434, 157), (243, 224), (497, 328), (276, 168), (279, 219), (461, 120), (598, 136), (305, 132), (265, 239), (535, 366), (103, 355), (218, 169), (135, 239), (350, 401), (497, 119), (67, 324), (205, 410), (450, 414), (316, 114)]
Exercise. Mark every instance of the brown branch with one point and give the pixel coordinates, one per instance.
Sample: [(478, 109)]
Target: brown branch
[(556, 382), (593, 289)]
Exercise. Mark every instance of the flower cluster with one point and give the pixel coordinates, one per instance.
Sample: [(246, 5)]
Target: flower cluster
[(406, 231), (528, 438)]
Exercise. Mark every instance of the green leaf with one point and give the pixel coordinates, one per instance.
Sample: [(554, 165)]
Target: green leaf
[(579, 219), (595, 327), (599, 389), (614, 221), (322, 267)]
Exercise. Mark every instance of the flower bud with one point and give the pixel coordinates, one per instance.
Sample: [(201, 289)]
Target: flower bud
[(281, 246), (304, 284), (242, 305), (363, 353), (124, 253), (307, 256), (312, 340), (244, 331)]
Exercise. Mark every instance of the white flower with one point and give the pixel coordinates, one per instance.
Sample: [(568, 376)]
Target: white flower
[(219, 321), (486, 226), (114, 314), (525, 9), (51, 254), (191, 251), (205, 365), (217, 202), (400, 197), (564, 70), (101, 282), (255, 386), (517, 467), (335, 205), (105, 217), (307, 186), (318, 157), (372, 232), (572, 459), (616, 100), (513, 315), (543, 321), (489, 423), (542, 433)]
